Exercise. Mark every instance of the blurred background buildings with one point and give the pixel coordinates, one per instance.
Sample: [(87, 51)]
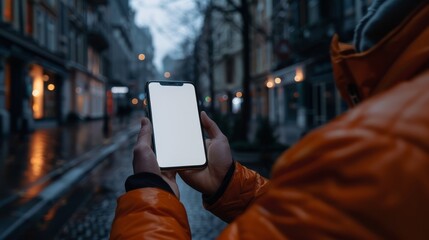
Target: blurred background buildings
[(69, 60), (290, 80), (75, 59)]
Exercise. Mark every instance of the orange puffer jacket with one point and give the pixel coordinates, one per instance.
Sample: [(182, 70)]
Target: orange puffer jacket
[(365, 175)]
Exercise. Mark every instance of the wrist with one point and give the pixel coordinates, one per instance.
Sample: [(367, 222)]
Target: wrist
[(212, 198), (146, 179)]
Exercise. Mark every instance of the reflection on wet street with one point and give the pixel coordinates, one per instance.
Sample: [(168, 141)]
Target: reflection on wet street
[(25, 161)]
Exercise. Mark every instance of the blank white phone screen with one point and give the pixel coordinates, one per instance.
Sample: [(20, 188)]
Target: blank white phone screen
[(177, 130)]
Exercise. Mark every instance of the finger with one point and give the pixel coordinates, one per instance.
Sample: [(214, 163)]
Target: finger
[(145, 134), (144, 159), (210, 126)]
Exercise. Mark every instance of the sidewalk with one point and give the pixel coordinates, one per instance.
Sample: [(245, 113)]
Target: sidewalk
[(37, 170)]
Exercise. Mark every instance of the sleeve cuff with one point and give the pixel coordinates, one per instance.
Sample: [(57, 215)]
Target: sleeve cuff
[(146, 179), (213, 198)]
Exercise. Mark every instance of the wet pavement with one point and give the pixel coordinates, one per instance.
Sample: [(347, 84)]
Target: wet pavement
[(93, 220), (27, 161), (86, 211)]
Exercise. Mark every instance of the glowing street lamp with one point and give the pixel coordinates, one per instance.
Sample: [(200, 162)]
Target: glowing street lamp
[(51, 87), (270, 84), (167, 74), (142, 57)]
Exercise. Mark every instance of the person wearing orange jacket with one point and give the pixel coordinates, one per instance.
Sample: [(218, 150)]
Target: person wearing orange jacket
[(365, 175)]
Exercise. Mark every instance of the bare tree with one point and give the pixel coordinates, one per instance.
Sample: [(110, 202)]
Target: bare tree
[(245, 26)]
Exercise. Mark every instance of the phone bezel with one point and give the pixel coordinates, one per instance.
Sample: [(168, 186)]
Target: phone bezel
[(149, 113)]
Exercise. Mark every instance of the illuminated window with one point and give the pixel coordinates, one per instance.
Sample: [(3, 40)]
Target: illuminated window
[(8, 10), (38, 91)]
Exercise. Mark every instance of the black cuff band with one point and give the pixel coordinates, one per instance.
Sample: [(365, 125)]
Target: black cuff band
[(146, 179), (225, 182)]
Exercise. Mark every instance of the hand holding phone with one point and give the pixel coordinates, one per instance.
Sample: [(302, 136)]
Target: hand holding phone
[(177, 132), (144, 158), (209, 179)]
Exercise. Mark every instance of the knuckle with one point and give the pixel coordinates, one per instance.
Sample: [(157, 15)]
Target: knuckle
[(140, 149)]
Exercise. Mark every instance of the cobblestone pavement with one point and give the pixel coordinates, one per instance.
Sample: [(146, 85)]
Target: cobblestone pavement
[(93, 220)]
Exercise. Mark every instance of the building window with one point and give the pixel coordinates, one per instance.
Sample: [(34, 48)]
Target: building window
[(80, 50), (349, 14), (51, 35), (93, 61), (313, 11), (29, 17), (40, 27), (8, 10), (72, 46)]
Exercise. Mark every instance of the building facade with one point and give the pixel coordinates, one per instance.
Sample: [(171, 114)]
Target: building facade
[(59, 59), (32, 67), (302, 93), (143, 68)]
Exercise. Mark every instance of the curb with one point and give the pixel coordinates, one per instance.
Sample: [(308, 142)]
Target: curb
[(34, 209)]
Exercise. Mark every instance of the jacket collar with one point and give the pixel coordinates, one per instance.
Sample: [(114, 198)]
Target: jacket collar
[(398, 57)]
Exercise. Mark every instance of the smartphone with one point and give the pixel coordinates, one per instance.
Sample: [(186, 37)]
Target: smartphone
[(178, 139)]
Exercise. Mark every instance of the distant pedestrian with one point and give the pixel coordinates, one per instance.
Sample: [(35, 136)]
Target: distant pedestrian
[(365, 175)]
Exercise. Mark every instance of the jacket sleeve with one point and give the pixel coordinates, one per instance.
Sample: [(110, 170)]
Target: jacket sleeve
[(341, 183), (150, 213), (243, 189)]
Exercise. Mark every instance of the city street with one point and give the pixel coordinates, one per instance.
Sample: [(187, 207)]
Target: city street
[(39, 168), (29, 161), (83, 209), (93, 220)]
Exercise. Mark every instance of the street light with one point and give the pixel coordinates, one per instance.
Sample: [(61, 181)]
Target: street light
[(167, 74), (142, 57)]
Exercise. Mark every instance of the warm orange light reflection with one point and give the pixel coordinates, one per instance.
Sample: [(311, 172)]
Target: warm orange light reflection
[(277, 80), (142, 57), (134, 101), (37, 154), (239, 94), (145, 102), (299, 75), (37, 74), (36, 168), (45, 78)]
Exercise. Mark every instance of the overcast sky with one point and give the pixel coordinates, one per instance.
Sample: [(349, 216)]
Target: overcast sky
[(170, 21)]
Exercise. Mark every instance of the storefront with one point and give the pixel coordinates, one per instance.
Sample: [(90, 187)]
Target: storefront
[(286, 101), (87, 95), (44, 95)]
